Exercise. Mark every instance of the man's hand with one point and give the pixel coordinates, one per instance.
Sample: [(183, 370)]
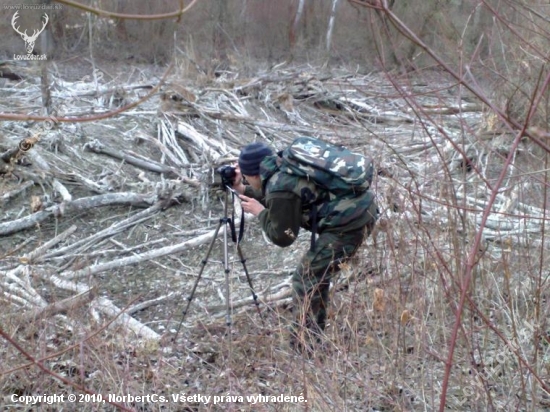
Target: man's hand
[(250, 205)]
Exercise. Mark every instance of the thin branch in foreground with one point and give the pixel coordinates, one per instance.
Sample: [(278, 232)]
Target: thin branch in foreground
[(105, 13), (64, 305), (44, 369)]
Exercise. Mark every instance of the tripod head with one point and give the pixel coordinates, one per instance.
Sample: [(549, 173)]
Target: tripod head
[(228, 174)]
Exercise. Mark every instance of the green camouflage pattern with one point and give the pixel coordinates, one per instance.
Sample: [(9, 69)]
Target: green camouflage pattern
[(332, 211), (311, 279), (333, 168), (343, 222)]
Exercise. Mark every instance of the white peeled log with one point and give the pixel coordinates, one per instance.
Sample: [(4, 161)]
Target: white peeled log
[(106, 307)]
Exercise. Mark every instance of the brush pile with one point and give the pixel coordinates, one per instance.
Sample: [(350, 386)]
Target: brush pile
[(85, 201)]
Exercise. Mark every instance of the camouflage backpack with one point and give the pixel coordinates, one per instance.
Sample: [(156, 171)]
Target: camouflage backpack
[(333, 168)]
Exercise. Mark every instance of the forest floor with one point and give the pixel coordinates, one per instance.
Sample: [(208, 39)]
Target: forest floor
[(95, 295)]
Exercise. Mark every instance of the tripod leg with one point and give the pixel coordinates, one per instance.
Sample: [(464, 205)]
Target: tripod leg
[(254, 296), (203, 265), (226, 271)]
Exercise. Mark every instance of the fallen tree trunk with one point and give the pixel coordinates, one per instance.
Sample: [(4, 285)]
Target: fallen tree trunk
[(138, 258), (97, 147), (59, 210)]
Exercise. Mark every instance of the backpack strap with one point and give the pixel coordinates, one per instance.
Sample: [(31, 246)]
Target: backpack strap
[(313, 220), (308, 198)]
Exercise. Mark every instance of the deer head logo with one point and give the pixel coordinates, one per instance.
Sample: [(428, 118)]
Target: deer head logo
[(29, 40)]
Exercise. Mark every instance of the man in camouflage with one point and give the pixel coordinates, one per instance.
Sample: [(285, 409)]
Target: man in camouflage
[(283, 203)]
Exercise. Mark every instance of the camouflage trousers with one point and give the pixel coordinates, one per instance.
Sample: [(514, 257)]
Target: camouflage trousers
[(311, 279)]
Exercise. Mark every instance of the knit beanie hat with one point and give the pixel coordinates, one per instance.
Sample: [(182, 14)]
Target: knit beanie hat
[(251, 156)]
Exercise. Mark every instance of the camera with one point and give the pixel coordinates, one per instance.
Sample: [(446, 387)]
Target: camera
[(227, 173)]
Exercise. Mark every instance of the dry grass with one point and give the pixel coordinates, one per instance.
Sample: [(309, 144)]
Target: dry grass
[(387, 339)]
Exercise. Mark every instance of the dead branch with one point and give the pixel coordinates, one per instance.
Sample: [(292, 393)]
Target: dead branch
[(9, 155), (17, 285), (36, 254), (123, 319), (82, 245), (203, 143), (155, 253), (90, 118), (13, 193), (97, 147), (105, 13), (152, 302), (64, 305), (58, 210), (105, 306)]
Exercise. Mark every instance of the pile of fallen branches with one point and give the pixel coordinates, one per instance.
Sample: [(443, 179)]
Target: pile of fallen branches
[(161, 154)]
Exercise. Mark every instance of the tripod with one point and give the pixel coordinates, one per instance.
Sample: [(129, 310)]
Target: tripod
[(224, 221)]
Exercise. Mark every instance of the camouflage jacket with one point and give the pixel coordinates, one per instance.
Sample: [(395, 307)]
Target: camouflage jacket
[(289, 201)]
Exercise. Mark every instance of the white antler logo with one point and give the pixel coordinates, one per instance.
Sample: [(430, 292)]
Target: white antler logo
[(29, 40)]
